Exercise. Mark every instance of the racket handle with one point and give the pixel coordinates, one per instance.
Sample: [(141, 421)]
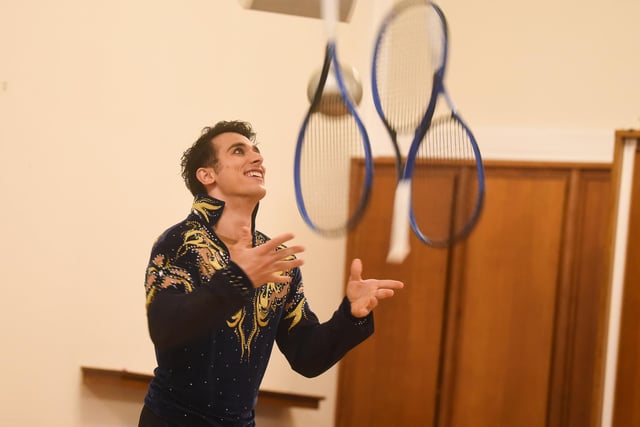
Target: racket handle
[(329, 9), (399, 247)]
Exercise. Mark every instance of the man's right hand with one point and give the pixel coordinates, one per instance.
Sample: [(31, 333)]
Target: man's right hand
[(265, 263)]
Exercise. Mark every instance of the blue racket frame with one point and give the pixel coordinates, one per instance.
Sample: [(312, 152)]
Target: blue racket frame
[(406, 171), (331, 61)]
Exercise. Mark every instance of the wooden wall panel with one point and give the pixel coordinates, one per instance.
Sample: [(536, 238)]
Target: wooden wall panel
[(587, 306), (399, 363), (510, 274)]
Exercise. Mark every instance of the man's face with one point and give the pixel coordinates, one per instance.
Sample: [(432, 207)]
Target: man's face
[(239, 171)]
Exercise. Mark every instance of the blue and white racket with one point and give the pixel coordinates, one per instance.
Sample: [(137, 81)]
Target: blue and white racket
[(331, 138), (408, 70)]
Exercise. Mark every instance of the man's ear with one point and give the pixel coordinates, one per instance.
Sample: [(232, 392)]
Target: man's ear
[(206, 176)]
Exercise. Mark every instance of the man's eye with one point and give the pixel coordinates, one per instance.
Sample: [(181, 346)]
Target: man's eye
[(238, 151)]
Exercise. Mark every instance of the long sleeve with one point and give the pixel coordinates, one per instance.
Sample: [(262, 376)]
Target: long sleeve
[(176, 317), (191, 285), (312, 347)]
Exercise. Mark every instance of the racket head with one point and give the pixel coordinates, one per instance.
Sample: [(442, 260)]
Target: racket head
[(327, 145), (448, 183), (407, 55)]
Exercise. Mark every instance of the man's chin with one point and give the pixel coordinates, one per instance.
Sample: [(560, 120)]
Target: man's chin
[(259, 194)]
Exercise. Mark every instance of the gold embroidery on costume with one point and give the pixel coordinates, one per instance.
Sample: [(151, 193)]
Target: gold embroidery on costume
[(211, 256), (268, 299), (296, 314), (271, 295), (204, 208), (161, 274), (198, 240), (236, 322)]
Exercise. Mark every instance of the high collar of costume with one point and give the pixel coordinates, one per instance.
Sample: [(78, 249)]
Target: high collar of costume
[(210, 209)]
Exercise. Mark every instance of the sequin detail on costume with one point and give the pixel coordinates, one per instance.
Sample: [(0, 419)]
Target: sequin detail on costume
[(205, 208), (161, 275), (206, 249), (199, 246), (268, 299)]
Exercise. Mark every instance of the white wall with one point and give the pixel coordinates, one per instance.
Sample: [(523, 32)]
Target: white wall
[(99, 99)]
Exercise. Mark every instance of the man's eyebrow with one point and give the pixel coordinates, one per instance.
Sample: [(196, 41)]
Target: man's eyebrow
[(237, 144), (252, 146)]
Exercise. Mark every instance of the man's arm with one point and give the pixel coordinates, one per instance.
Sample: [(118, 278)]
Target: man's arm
[(310, 347), (176, 317)]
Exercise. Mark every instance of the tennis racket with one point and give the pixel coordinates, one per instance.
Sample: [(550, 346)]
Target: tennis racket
[(448, 150), (411, 52), (331, 137), (404, 69), (448, 160)]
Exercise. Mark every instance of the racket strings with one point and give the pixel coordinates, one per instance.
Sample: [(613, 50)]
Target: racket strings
[(447, 140), (330, 144), (446, 177), (407, 58)]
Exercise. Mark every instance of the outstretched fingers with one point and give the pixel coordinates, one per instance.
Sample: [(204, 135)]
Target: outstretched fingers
[(364, 295), (269, 261), (273, 243), (388, 285)]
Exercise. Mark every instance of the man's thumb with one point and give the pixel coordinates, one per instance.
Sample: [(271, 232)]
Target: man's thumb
[(356, 269)]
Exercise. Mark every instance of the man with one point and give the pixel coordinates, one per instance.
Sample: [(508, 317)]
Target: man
[(219, 293)]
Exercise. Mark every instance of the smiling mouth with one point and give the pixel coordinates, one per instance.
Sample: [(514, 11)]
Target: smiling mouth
[(255, 174)]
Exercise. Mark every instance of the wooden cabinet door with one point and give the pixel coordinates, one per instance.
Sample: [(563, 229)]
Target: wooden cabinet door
[(483, 333), (389, 370), (509, 277)]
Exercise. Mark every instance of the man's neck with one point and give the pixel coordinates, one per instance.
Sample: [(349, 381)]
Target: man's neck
[(234, 217)]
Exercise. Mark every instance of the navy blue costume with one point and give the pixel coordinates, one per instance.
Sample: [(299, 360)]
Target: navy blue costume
[(213, 331)]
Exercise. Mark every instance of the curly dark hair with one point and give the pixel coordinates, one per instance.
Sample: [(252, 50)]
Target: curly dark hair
[(203, 153)]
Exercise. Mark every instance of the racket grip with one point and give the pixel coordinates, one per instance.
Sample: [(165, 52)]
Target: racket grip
[(329, 12), (399, 246)]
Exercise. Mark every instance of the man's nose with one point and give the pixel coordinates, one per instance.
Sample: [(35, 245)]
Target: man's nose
[(257, 158)]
